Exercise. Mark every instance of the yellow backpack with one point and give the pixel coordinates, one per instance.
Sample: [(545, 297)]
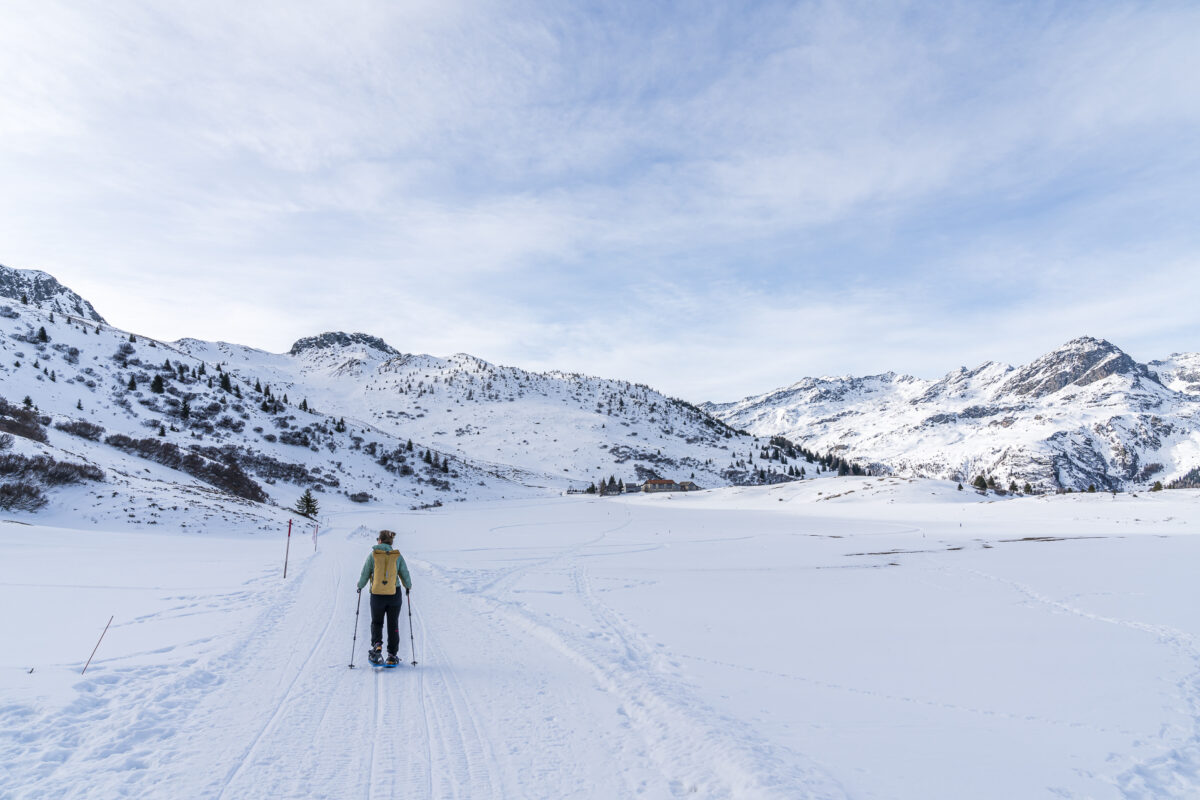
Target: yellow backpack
[(383, 575)]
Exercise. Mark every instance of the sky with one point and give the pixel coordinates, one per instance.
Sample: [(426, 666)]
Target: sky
[(715, 199)]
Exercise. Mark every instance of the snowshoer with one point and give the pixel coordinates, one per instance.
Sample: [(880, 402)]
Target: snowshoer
[(385, 570)]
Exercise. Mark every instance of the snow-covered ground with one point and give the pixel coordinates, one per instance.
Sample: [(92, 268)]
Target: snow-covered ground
[(862, 638)]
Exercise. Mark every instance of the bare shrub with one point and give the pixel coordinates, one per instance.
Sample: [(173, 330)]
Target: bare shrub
[(21, 497), (81, 428)]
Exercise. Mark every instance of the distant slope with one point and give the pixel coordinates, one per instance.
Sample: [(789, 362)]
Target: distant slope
[(1084, 414), (553, 429)]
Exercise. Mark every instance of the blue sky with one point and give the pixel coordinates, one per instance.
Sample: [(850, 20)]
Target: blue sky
[(712, 198)]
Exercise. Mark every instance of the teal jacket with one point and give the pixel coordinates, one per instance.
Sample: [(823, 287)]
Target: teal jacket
[(369, 567)]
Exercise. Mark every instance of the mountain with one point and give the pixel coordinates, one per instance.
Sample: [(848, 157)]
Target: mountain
[(1084, 414), (552, 429), (43, 291), (346, 414)]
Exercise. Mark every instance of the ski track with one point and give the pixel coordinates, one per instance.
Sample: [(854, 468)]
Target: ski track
[(696, 750), (1175, 772), (283, 702), (321, 730)]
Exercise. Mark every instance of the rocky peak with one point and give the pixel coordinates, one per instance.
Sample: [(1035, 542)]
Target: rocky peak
[(45, 292), (338, 339), (1079, 362)]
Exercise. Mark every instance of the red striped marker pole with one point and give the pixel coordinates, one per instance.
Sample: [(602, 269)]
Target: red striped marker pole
[(287, 550)]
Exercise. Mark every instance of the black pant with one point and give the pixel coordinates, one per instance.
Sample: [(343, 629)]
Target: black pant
[(388, 604)]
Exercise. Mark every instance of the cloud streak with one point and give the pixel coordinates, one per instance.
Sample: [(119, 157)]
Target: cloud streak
[(712, 199)]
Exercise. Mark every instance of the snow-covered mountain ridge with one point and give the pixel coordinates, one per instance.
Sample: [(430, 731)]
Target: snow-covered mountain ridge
[(1084, 414), (345, 414)]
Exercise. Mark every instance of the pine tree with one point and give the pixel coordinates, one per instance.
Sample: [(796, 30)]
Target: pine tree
[(132, 384), (306, 506), (156, 385), (79, 405), (304, 404), (226, 385), (980, 483), (42, 335), (409, 446), (257, 386), (1027, 488), (1012, 487), (27, 402), (185, 409)]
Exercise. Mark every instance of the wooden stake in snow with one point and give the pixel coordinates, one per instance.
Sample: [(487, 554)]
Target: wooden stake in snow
[(94, 649), (315, 526), (287, 550)]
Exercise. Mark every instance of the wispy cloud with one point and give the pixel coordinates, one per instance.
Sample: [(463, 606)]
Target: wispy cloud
[(715, 199)]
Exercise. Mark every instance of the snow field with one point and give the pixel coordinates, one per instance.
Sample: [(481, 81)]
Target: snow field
[(899, 640)]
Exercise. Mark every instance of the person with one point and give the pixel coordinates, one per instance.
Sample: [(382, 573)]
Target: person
[(384, 565)]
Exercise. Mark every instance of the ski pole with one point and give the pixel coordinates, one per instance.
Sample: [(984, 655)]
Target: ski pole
[(354, 644), (410, 631)]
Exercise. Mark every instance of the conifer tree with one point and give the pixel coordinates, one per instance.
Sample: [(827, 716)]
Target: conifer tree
[(42, 335), (226, 385), (156, 385), (306, 506), (132, 383)]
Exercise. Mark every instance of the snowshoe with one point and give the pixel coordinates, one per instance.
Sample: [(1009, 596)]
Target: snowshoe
[(392, 661), (375, 655)]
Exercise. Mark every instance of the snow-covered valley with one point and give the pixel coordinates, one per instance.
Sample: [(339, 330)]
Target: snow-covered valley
[(853, 637)]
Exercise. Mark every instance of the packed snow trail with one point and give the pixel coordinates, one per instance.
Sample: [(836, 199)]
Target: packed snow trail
[(504, 703)]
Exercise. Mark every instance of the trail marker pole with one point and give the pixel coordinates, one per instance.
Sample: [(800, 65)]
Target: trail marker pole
[(315, 528), (94, 649), (287, 550)]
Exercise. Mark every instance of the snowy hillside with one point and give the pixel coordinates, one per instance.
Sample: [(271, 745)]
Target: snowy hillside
[(345, 415), (1084, 414), (548, 429), (151, 421)]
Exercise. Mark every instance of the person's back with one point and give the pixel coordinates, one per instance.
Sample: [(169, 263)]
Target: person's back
[(385, 570)]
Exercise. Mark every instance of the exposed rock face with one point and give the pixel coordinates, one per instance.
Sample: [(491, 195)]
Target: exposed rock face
[(1086, 413), (1080, 362), (45, 292), (338, 339)]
